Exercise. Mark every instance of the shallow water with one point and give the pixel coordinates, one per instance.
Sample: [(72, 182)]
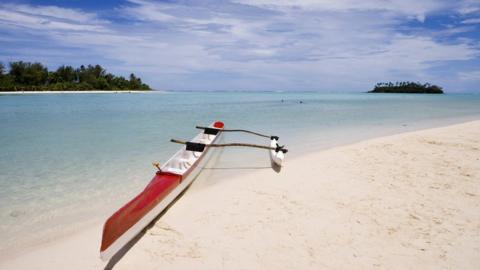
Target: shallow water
[(67, 159)]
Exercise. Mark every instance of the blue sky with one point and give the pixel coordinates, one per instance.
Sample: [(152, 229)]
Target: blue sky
[(307, 45)]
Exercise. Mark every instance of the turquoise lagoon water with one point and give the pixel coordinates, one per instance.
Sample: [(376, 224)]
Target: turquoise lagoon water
[(70, 159)]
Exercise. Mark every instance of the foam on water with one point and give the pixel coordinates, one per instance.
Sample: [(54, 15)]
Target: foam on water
[(69, 159)]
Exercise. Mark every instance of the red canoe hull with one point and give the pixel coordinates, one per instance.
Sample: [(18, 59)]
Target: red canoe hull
[(133, 211)]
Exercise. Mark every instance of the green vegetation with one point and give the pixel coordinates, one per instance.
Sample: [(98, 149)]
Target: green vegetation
[(25, 76), (407, 87)]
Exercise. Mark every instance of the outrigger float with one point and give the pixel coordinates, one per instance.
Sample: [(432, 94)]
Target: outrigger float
[(169, 182)]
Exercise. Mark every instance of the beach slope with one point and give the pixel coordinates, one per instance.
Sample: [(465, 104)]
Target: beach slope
[(401, 202), (408, 201)]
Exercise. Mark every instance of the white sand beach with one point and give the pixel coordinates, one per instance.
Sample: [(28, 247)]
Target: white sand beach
[(408, 201)]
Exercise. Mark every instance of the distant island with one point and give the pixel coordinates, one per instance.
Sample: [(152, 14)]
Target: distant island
[(407, 87), (26, 76)]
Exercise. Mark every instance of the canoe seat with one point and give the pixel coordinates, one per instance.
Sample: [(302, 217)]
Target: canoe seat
[(185, 163), (175, 170)]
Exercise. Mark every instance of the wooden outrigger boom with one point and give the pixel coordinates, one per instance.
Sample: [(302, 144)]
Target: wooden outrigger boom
[(277, 152)]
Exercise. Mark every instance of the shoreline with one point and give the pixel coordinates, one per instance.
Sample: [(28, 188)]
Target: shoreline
[(180, 217)]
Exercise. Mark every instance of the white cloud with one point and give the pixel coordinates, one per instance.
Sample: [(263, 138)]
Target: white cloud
[(413, 8), (472, 21), (253, 45), (48, 18), (470, 75), (145, 10), (53, 12), (468, 6)]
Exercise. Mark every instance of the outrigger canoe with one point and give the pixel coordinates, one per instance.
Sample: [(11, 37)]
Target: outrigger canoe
[(276, 156), (169, 181), (173, 177)]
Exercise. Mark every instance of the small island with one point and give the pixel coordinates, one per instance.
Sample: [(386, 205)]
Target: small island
[(26, 76), (407, 88)]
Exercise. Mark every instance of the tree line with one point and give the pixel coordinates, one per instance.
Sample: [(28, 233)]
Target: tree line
[(26, 76), (406, 87)]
